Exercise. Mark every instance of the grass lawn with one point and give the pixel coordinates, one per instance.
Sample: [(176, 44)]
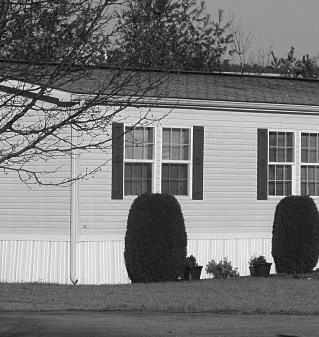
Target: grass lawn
[(245, 295)]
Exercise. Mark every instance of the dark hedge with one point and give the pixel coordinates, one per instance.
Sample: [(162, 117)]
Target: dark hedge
[(295, 238), (155, 240)]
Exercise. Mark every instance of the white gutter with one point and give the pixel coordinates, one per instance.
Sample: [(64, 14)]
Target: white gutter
[(74, 216)]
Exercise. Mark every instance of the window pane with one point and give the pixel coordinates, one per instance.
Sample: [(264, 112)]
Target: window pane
[(289, 155), (173, 187), (137, 171), (304, 158), (311, 188), (175, 153), (139, 143), (303, 188), (165, 153), (313, 140), (281, 155), (175, 179), (176, 136), (272, 139), (289, 140), (280, 173), (165, 187), (271, 172), (279, 188), (185, 136), (311, 173), (313, 156), (128, 171), (185, 152), (288, 173), (174, 169), (281, 139), (288, 188), (166, 136), (304, 140), (303, 173), (272, 154), (271, 187), (138, 152), (176, 144), (138, 178)]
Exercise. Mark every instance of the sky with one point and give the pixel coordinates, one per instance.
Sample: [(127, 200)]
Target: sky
[(279, 24)]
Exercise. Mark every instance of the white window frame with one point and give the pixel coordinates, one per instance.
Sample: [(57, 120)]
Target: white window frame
[(188, 162), (138, 161), (300, 163), (292, 164)]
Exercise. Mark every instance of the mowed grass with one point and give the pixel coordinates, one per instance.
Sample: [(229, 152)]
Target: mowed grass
[(245, 295)]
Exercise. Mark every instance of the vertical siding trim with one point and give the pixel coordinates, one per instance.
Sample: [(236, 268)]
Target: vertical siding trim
[(262, 164), (198, 162), (117, 160)]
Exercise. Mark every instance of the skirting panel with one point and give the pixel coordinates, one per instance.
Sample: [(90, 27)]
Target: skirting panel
[(34, 261), (102, 262)]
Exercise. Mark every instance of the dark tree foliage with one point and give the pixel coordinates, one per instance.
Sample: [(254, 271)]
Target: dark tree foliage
[(171, 34), (155, 240), (292, 67), (295, 240)]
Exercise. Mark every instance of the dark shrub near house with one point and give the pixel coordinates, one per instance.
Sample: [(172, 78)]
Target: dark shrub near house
[(295, 240), (155, 240)]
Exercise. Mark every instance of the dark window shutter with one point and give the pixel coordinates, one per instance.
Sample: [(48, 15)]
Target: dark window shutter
[(262, 164), (117, 160), (198, 162)]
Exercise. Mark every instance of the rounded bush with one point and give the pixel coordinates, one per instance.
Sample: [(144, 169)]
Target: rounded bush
[(295, 236), (155, 240)]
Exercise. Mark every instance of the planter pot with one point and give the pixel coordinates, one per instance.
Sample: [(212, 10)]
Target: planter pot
[(260, 269), (192, 273)]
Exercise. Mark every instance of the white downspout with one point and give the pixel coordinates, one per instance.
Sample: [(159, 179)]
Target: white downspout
[(74, 210)]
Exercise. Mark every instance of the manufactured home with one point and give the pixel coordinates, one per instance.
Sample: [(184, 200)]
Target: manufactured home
[(228, 146)]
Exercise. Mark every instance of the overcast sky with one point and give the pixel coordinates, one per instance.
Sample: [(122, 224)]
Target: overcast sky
[(277, 23)]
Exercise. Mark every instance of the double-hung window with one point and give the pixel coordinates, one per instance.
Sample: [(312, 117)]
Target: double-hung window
[(138, 160), (281, 159), (309, 168), (177, 167), (176, 160)]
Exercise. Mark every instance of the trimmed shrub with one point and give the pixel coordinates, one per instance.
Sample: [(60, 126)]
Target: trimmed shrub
[(295, 236), (155, 240)]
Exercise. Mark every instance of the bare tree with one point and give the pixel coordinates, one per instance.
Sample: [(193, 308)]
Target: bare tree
[(242, 41), (47, 45)]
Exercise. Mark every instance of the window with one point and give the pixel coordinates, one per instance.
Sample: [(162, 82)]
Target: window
[(137, 168), (309, 168), (176, 146), (281, 158), (138, 161)]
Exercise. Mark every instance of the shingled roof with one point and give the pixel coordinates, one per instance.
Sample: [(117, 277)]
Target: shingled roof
[(219, 87), (187, 85)]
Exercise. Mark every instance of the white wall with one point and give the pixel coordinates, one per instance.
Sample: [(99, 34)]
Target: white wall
[(230, 221)]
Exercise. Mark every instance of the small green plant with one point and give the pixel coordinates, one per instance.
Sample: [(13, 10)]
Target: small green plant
[(223, 269), (257, 260), (191, 262)]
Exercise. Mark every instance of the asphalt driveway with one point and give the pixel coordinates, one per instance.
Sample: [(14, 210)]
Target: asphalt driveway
[(153, 324)]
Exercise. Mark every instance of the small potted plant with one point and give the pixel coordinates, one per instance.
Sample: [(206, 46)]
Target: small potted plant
[(192, 269), (259, 267), (221, 270)]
